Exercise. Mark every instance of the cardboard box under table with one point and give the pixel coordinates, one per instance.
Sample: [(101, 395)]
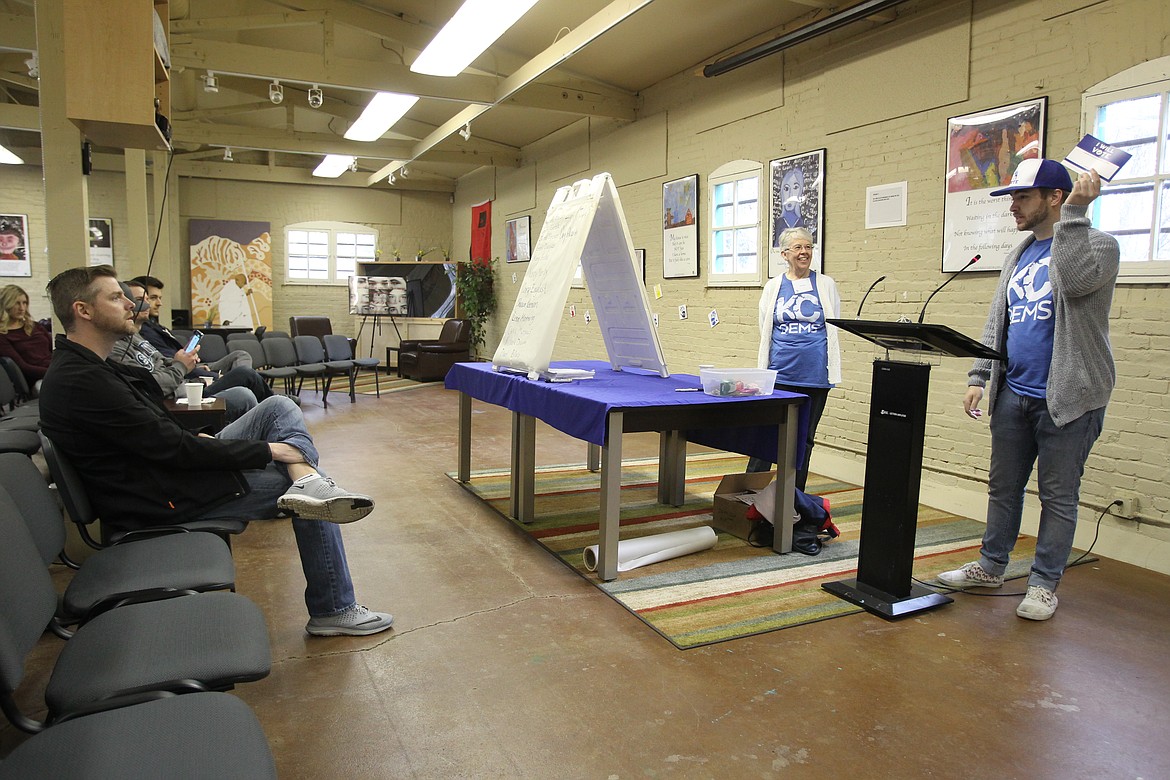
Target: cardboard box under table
[(729, 514)]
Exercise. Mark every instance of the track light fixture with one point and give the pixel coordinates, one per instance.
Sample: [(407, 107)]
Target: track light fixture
[(316, 97), (405, 171), (276, 93), (210, 83), (227, 154), (391, 180), (353, 166), (465, 133)]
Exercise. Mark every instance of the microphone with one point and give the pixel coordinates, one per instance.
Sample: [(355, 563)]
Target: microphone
[(970, 263), (878, 281)]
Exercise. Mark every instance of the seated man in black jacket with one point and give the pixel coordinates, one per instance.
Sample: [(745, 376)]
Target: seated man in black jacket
[(101, 414)]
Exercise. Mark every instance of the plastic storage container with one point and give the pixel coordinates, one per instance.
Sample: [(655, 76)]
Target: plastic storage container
[(737, 382)]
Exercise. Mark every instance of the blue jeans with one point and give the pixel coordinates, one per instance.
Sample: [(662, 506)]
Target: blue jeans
[(237, 400), (329, 587), (1022, 435)]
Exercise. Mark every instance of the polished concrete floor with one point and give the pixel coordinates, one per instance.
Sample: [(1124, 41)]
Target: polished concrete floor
[(505, 664)]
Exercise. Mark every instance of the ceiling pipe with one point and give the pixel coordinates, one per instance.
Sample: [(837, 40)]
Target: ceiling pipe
[(806, 33)]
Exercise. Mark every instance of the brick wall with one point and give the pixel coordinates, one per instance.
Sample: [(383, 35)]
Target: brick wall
[(1008, 62)]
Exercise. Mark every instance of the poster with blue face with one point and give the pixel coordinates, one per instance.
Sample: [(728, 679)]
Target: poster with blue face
[(797, 190)]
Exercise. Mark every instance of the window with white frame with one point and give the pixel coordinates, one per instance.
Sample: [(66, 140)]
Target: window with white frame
[(327, 252), (1132, 112), (735, 234)]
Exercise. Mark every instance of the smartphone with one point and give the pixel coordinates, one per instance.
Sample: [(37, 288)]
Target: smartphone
[(196, 337)]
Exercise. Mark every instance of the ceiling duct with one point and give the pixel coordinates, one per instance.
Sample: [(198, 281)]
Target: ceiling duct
[(806, 33)]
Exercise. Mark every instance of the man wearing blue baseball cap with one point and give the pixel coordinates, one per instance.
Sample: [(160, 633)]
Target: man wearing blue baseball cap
[(1046, 401)]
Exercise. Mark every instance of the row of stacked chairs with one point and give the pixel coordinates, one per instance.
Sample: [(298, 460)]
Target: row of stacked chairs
[(290, 360), (154, 637)]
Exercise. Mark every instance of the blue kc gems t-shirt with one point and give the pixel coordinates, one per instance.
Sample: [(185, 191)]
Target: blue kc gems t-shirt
[(799, 341), (1031, 321)]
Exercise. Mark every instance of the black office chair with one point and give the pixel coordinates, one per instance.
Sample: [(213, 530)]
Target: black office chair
[(150, 568)]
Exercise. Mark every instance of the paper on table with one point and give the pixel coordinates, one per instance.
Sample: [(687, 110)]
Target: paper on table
[(634, 553)]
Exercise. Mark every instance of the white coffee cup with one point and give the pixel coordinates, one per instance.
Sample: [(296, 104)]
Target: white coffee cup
[(194, 393)]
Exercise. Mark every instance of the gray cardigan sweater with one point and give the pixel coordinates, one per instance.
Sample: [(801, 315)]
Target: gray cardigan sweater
[(1083, 272)]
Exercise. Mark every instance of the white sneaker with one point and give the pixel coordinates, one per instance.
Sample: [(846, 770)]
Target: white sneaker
[(970, 576), (1039, 604), (319, 498), (355, 621)]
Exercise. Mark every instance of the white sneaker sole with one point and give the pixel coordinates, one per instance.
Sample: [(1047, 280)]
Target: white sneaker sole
[(342, 509), (968, 583), (349, 630)]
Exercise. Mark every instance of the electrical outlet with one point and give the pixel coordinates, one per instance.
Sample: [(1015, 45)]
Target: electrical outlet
[(1128, 508)]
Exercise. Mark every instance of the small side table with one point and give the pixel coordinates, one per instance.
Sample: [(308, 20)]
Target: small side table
[(212, 416), (397, 365)]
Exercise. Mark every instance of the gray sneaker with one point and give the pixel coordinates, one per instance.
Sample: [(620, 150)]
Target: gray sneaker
[(355, 621), (320, 499), (970, 576)]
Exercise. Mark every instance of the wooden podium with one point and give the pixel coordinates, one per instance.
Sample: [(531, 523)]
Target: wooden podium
[(893, 465)]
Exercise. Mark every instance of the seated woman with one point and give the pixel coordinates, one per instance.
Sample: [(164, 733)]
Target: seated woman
[(21, 338)]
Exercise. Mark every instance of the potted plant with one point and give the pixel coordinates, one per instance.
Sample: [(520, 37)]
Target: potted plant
[(477, 297)]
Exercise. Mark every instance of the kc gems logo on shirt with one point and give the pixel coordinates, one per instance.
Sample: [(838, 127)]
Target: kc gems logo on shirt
[(1031, 292)]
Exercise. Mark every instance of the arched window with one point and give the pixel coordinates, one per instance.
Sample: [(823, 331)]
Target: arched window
[(734, 240), (327, 252), (1131, 110)]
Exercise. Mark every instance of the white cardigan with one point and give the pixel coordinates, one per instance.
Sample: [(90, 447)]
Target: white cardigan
[(830, 302)]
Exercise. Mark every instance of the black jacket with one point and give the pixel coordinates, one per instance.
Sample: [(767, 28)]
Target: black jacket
[(139, 466)]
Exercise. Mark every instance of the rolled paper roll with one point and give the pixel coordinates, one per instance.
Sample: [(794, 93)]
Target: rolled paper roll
[(634, 553)]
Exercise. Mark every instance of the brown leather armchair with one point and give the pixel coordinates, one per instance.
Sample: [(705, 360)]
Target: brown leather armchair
[(430, 360)]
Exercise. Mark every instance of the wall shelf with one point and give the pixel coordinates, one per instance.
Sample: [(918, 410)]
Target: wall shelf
[(114, 74)]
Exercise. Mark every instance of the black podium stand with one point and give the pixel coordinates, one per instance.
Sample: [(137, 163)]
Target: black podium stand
[(893, 466)]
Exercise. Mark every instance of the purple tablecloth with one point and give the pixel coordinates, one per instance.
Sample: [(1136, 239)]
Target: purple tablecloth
[(581, 408)]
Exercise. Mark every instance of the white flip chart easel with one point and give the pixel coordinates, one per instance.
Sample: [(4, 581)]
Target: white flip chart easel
[(584, 223)]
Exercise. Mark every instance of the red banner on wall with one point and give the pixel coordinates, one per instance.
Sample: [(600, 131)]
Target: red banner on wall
[(481, 231)]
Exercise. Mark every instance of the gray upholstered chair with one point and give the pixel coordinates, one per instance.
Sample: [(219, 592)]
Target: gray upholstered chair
[(151, 568), (72, 492), (280, 359), (339, 349), (197, 735), (204, 641)]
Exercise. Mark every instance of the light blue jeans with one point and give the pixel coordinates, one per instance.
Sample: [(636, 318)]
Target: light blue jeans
[(329, 587), (238, 402), (1022, 435)]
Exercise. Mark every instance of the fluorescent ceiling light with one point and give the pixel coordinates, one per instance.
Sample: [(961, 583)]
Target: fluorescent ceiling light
[(380, 115), (473, 28), (8, 158), (334, 165)]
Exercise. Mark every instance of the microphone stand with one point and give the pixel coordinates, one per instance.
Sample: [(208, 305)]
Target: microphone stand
[(970, 263), (877, 281)]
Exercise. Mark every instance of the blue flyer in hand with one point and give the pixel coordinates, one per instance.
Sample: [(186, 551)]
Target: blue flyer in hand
[(1096, 154)]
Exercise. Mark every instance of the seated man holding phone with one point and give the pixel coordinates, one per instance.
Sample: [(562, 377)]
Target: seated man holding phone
[(140, 468), (237, 387)]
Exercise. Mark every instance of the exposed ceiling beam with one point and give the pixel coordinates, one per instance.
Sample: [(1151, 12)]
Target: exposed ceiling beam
[(592, 28), (237, 136), (198, 169), (18, 31), (16, 117), (268, 63), (212, 113), (247, 22)]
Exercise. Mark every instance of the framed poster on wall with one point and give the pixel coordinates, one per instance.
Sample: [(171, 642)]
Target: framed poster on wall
[(983, 150), (680, 228), (101, 241), (518, 247), (14, 245), (797, 198)]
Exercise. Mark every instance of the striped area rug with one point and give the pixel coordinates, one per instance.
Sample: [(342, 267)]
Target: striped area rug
[(733, 590), (387, 384)]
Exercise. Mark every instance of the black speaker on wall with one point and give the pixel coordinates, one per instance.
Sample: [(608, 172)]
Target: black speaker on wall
[(86, 158), (180, 318)]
